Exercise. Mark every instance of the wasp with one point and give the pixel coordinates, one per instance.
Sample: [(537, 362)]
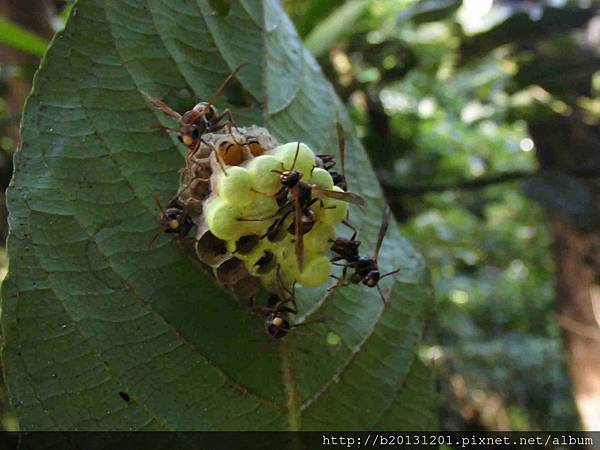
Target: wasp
[(173, 220), (366, 270), (345, 249), (339, 178), (297, 196), (277, 323), (276, 315), (202, 118), (302, 196), (285, 223)]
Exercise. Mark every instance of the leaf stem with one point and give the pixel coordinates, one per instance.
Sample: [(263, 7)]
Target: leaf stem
[(291, 388)]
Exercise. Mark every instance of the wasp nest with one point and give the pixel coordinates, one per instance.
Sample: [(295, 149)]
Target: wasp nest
[(228, 149), (252, 210)]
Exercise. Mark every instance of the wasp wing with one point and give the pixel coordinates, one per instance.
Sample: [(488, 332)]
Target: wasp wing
[(342, 148), (382, 231), (221, 88), (343, 196), (162, 106), (298, 235)]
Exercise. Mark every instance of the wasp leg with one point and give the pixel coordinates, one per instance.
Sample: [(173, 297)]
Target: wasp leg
[(390, 273)]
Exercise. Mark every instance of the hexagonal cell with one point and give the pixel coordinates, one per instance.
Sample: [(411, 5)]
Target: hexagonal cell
[(210, 249), (237, 146), (230, 271), (246, 244)]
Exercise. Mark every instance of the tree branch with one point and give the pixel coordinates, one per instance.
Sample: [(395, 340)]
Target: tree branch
[(478, 183)]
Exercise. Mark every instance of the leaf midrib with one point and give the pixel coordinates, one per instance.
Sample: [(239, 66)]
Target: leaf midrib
[(241, 389), (289, 378)]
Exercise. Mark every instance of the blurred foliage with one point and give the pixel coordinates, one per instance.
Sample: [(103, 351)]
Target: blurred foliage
[(441, 91), (21, 39)]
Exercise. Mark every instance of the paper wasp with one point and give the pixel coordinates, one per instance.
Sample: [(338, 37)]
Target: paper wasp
[(277, 323), (366, 270), (202, 118), (302, 196), (173, 220), (339, 178), (298, 197), (345, 249)]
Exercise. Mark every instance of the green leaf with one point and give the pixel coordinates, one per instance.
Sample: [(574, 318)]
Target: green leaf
[(307, 13), (429, 11), (339, 23), (18, 37), (91, 312)]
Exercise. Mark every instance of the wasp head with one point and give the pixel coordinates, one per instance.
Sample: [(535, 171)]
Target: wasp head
[(339, 180), (189, 135), (290, 178), (171, 220), (372, 278), (277, 325)]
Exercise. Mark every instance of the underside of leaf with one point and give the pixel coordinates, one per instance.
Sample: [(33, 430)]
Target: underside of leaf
[(91, 312)]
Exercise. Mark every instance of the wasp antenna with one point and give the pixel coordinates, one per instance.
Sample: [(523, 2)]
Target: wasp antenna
[(385, 304), (313, 321), (390, 273), (342, 147), (219, 91), (296, 156), (157, 126), (157, 200), (262, 193), (153, 240)]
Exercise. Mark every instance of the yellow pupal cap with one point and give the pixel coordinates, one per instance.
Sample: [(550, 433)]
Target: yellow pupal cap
[(235, 186), (259, 214), (222, 219), (321, 178), (305, 161), (243, 208), (319, 239), (334, 211), (264, 179), (316, 272)]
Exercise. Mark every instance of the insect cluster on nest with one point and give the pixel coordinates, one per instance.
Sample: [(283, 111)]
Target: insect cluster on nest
[(263, 213)]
